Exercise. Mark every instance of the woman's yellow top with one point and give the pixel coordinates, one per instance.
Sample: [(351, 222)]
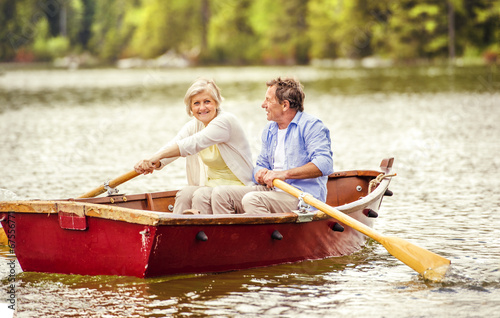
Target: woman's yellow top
[(218, 172)]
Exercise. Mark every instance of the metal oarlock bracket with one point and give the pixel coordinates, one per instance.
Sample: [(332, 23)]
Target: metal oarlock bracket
[(303, 206), (111, 191), (303, 213)]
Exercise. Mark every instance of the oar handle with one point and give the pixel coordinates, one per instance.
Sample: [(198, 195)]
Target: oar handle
[(339, 216), (112, 184)]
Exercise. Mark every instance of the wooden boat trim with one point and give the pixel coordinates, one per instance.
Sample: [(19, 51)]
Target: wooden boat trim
[(374, 195), (101, 207), (138, 216), (81, 209), (354, 173), (119, 198)]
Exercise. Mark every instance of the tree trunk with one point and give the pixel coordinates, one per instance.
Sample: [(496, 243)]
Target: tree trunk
[(451, 32), (205, 18)]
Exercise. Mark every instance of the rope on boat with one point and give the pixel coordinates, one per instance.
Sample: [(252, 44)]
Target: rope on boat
[(375, 182)]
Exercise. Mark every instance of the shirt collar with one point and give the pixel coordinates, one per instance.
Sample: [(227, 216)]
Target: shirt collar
[(296, 118), (273, 126)]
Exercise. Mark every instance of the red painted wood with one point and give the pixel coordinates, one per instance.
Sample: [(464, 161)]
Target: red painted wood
[(232, 247), (70, 221), (106, 248), (109, 247)]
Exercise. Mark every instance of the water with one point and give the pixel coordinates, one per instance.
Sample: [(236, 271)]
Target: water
[(63, 133)]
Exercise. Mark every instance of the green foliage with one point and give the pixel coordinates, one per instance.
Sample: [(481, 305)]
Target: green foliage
[(51, 48), (323, 17), (413, 30), (249, 31), (232, 40), (106, 41), (163, 25), (47, 48), (281, 29), (8, 8), (18, 27)]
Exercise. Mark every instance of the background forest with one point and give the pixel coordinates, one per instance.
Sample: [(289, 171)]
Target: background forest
[(222, 32)]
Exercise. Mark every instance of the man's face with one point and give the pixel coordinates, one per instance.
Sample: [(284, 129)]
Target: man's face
[(273, 108)]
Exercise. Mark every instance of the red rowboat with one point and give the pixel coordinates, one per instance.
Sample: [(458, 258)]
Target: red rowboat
[(137, 235)]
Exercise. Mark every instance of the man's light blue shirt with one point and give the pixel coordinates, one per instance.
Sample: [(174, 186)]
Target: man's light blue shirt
[(307, 140)]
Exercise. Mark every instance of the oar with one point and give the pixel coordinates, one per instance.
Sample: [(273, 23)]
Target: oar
[(3, 237), (431, 266), (6, 195), (112, 184)]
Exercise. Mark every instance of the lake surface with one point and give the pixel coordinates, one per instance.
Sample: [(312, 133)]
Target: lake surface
[(63, 133)]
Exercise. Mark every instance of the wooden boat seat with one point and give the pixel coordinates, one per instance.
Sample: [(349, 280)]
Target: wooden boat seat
[(157, 201)]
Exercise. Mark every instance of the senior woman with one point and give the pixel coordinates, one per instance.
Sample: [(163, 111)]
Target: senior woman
[(215, 146)]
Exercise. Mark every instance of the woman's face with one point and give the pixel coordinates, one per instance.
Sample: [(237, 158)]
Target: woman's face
[(204, 107)]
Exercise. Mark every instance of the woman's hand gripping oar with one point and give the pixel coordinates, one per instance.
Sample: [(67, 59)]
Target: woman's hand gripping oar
[(142, 167), (428, 264)]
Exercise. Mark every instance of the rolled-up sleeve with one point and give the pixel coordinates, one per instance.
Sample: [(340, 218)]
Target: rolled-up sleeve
[(318, 144)]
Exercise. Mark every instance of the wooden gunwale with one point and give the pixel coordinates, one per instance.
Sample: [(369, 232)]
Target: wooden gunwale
[(82, 207)]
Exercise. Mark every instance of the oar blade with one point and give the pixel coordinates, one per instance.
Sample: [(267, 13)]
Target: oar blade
[(428, 264), (431, 266)]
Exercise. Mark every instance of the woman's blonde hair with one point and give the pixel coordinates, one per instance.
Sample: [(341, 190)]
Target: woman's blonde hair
[(199, 86)]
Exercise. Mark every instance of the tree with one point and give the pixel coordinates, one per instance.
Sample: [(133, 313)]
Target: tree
[(281, 30), (250, 31), (478, 27), (164, 25), (339, 28), (232, 39), (10, 33), (87, 19), (107, 39), (412, 29)]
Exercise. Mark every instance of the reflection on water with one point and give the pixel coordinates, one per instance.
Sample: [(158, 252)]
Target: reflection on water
[(63, 133)]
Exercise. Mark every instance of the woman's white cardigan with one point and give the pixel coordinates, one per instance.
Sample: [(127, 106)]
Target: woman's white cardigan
[(225, 131)]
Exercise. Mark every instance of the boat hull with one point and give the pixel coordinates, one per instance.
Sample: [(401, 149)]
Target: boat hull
[(88, 238), (234, 247), (106, 247), (109, 247)]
